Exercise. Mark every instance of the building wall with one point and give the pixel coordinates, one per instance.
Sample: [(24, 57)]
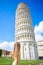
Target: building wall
[(5, 52), (40, 48)]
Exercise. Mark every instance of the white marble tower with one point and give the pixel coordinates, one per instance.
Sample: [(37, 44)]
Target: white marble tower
[(24, 33)]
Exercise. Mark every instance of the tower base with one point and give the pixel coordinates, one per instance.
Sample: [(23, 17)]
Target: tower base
[(28, 51)]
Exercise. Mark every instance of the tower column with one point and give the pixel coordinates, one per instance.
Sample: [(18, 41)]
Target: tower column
[(25, 32)]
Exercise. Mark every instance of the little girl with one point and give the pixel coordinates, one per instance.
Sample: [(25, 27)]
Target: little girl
[(16, 53)]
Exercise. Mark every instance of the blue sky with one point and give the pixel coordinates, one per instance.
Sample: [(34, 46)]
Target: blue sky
[(7, 16)]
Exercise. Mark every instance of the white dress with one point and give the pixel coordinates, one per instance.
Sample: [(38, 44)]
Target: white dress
[(14, 62)]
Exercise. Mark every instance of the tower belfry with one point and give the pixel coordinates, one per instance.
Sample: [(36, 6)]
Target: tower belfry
[(25, 33)]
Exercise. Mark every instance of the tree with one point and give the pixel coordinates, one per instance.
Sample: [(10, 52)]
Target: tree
[(0, 52)]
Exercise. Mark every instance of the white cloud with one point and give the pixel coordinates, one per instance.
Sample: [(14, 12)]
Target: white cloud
[(38, 37), (38, 29), (7, 45)]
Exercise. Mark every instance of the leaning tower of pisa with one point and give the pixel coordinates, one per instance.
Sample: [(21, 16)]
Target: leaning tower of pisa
[(24, 33)]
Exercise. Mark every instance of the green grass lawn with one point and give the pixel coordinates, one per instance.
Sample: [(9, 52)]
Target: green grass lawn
[(8, 61)]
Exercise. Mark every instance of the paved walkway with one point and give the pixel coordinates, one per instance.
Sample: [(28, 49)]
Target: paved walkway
[(40, 64)]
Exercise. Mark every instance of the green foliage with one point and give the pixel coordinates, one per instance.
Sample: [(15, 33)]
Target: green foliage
[(0, 52)]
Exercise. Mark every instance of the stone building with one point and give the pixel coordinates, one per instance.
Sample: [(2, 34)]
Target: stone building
[(24, 33), (6, 53), (40, 49)]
